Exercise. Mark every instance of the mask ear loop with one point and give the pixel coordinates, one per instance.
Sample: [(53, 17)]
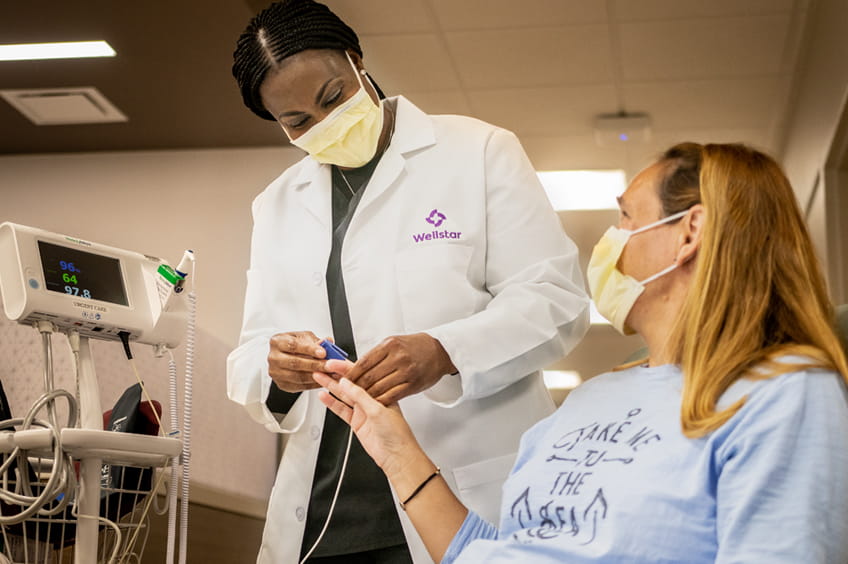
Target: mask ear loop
[(657, 223), (359, 74), (667, 219), (662, 272)]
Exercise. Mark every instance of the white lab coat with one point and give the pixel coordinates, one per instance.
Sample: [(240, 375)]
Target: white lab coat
[(491, 275)]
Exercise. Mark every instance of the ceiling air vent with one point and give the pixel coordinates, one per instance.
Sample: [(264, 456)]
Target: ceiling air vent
[(61, 106)]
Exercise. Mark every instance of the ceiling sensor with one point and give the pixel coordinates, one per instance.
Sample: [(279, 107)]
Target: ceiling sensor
[(615, 129), (63, 106)]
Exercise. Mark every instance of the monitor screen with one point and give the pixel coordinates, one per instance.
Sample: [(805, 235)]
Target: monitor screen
[(82, 274)]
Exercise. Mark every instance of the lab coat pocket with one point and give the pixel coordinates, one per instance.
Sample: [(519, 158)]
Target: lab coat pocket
[(480, 485), (433, 285)]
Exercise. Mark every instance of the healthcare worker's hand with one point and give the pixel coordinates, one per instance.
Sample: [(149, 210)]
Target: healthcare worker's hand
[(400, 366), (382, 431), (293, 358)]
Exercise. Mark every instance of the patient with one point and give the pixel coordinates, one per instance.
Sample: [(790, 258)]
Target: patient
[(729, 443)]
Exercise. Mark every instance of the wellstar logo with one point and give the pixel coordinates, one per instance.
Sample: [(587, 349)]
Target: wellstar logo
[(436, 218)]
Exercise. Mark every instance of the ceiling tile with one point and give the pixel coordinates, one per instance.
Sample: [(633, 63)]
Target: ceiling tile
[(580, 152), (384, 16), (757, 138), (497, 14), (732, 103), (544, 111), (577, 152), (532, 57), (445, 102), (409, 63), (675, 9), (703, 48)]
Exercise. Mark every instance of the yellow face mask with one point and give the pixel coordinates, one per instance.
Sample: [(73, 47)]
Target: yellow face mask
[(613, 291), (349, 135)]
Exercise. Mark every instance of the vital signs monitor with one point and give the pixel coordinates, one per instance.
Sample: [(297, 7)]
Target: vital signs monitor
[(96, 290)]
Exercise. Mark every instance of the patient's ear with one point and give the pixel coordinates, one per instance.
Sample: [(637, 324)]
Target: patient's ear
[(690, 237)]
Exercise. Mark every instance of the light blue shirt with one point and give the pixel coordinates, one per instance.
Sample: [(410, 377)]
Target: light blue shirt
[(611, 478)]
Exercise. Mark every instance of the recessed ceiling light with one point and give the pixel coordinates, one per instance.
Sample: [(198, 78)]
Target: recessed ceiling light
[(583, 189), (66, 50)]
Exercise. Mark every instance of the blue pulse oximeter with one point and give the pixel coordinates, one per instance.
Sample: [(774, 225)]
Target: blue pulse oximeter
[(333, 351)]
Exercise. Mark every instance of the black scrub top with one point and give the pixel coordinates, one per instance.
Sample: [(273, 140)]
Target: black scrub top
[(364, 517)]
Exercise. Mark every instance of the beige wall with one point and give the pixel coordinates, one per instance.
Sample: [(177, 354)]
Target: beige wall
[(812, 130), (819, 97), (158, 203)]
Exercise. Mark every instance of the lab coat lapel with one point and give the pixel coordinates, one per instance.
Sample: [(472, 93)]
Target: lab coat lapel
[(413, 131), (385, 175), (313, 187)]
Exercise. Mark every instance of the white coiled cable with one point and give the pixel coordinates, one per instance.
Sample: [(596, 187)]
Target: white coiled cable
[(187, 395), (172, 487)]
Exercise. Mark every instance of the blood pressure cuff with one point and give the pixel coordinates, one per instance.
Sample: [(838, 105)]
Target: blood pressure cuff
[(121, 487)]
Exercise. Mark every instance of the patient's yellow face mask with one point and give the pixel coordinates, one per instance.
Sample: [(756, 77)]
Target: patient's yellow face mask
[(613, 291), (348, 136)]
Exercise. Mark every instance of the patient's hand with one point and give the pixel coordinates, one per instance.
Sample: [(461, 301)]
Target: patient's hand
[(382, 431)]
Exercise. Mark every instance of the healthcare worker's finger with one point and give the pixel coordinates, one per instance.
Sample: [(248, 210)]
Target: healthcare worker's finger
[(285, 362), (292, 382), (292, 357), (299, 343), (383, 371), (292, 373), (366, 363), (395, 394), (416, 359), (387, 382)]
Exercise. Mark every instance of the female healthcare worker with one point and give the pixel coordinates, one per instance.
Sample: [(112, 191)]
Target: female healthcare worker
[(422, 244)]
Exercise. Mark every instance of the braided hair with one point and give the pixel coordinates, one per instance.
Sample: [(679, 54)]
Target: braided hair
[(279, 31)]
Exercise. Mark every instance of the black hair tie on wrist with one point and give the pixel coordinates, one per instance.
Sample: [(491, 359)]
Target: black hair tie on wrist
[(420, 487)]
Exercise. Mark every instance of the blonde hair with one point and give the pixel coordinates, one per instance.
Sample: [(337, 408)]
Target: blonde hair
[(758, 293)]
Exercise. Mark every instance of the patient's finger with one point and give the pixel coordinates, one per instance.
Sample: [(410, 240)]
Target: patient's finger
[(335, 405)]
